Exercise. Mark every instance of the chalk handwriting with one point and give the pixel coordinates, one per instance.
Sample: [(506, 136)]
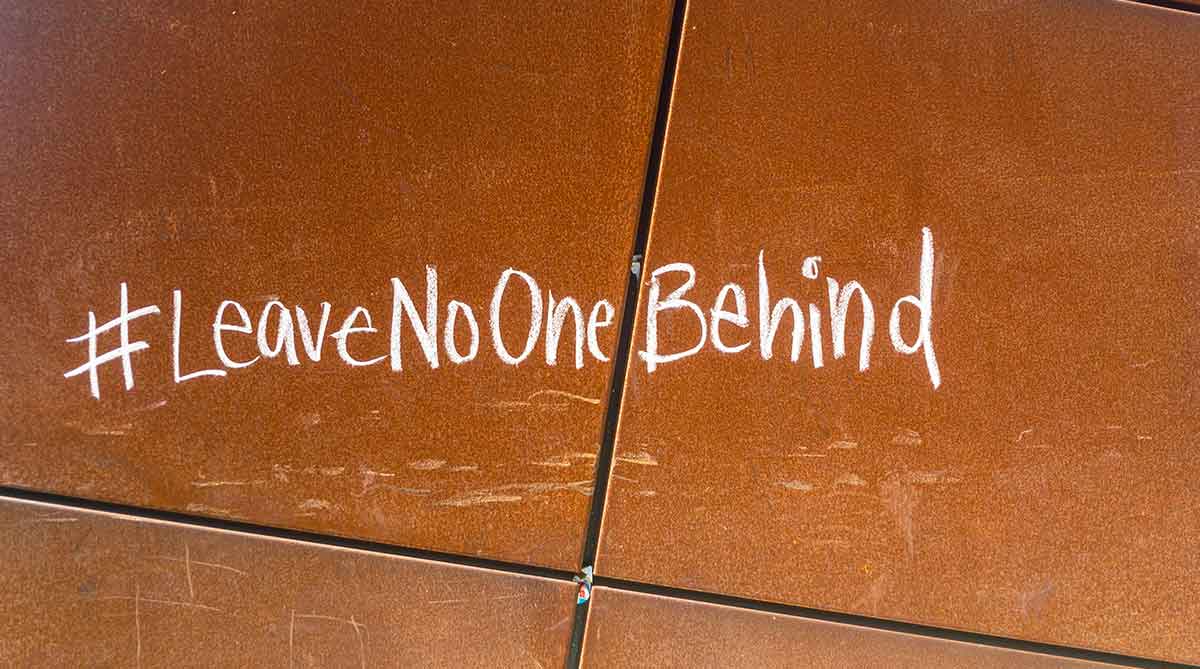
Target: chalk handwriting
[(124, 351), (771, 316), (555, 322)]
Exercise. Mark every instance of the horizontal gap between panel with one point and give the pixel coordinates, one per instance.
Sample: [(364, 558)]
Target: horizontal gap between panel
[(254, 530), (883, 624)]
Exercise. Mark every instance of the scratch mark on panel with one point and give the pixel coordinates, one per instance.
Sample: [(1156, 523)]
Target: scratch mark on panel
[(1032, 602), (362, 649), (849, 478), (404, 490), (481, 497), (901, 500), (211, 510), (639, 458), (797, 485), (874, 594), (118, 430), (462, 601), (907, 438), (564, 394), (551, 462), (199, 563), (166, 602), (530, 401), (369, 476), (45, 519), (505, 493), (187, 562), (505, 404), (564, 460), (137, 620), (150, 407), (427, 465), (358, 627), (214, 484)]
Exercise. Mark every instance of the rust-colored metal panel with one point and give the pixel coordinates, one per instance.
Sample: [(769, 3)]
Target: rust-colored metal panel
[(90, 589), (280, 156), (627, 629), (1042, 161)]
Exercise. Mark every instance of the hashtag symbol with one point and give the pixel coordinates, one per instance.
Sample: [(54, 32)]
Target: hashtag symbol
[(123, 351)]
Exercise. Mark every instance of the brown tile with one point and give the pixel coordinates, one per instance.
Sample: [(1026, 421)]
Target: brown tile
[(627, 629), (84, 588), (1045, 489), (309, 155)]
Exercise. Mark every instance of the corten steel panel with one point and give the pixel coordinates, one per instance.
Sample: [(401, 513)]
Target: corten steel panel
[(282, 152), (89, 589), (1046, 488), (627, 629)]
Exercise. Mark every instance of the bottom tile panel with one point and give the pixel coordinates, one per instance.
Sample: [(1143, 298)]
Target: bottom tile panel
[(84, 588), (627, 629)]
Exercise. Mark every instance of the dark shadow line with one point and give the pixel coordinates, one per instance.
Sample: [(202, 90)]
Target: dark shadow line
[(1170, 4), (625, 345), (883, 624)]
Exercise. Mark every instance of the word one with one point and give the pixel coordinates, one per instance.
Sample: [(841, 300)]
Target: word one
[(293, 335)]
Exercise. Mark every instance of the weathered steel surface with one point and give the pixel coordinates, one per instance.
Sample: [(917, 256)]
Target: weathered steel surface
[(89, 589), (627, 629), (1045, 489), (307, 155)]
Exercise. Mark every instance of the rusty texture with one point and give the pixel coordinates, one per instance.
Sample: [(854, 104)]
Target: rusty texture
[(90, 589), (627, 629), (310, 154), (1045, 490)]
